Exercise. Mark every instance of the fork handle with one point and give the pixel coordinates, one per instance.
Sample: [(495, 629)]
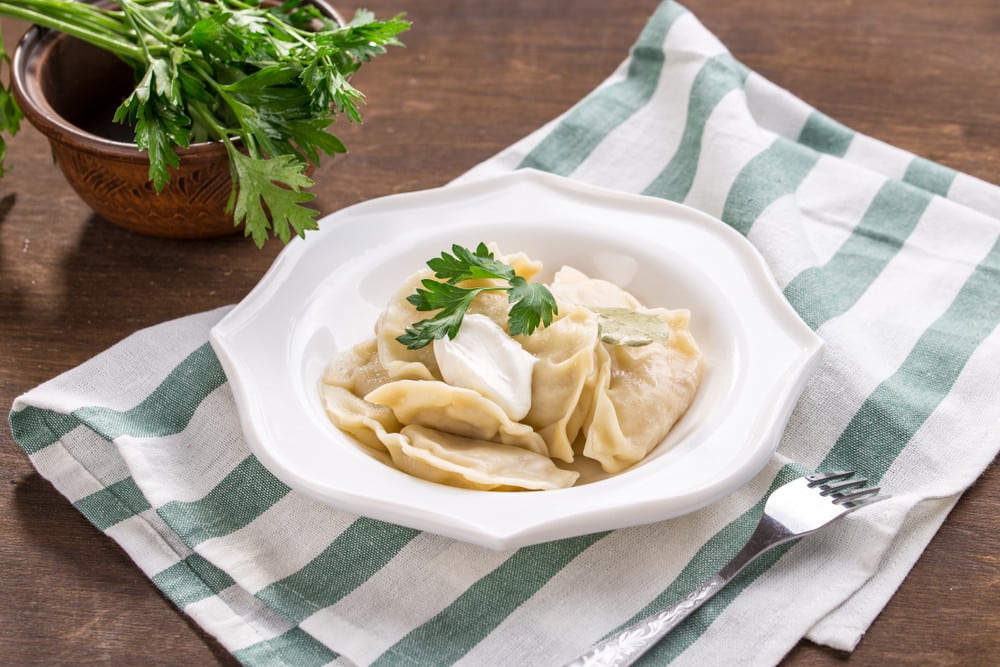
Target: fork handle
[(625, 647), (628, 645)]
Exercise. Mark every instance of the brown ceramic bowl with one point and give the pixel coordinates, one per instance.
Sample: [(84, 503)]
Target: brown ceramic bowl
[(69, 91)]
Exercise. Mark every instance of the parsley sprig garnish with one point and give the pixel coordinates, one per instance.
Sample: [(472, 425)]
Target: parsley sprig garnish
[(266, 81), (532, 305)]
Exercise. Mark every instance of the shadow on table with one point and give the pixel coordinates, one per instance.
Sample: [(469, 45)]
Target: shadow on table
[(111, 277), (7, 203), (78, 560)]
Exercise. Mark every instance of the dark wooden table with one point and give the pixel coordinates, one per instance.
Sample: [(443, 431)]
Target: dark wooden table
[(476, 76)]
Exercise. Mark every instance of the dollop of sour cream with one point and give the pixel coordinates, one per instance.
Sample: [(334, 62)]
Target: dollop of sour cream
[(483, 358)]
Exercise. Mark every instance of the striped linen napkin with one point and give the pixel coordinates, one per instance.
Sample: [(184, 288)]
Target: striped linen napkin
[(892, 259)]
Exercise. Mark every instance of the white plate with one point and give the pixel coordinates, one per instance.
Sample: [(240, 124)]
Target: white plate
[(324, 293)]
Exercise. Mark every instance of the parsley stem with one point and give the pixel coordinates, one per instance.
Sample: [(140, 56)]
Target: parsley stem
[(77, 12), (99, 36), (286, 28), (207, 119), (142, 26)]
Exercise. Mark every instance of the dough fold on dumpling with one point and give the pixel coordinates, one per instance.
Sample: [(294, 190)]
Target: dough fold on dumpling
[(456, 410), (398, 360), (573, 286), (562, 383), (474, 464), (639, 394), (367, 422), (358, 369)]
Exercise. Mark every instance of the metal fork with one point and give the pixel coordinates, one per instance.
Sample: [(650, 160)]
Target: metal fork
[(795, 509)]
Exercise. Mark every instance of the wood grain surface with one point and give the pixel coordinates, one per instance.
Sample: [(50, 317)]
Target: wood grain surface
[(477, 75)]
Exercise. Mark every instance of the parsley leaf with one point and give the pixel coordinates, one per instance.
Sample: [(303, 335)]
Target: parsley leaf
[(532, 305), (270, 195), (453, 301), (467, 265), (159, 125)]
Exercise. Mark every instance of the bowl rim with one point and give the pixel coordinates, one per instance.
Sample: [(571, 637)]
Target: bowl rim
[(748, 439)]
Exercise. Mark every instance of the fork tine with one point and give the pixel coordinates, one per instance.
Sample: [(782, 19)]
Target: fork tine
[(818, 478), (849, 499), (844, 491), (861, 502), (830, 489)]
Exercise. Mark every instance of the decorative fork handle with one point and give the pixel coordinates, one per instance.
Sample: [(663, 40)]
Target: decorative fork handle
[(625, 647)]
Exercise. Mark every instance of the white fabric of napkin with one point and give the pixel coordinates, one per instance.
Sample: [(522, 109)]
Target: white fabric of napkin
[(893, 260)]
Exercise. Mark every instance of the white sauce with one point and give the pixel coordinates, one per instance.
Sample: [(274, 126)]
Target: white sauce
[(483, 358)]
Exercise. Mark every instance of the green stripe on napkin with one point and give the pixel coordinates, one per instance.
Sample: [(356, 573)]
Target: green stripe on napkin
[(719, 76), (903, 402), (167, 410), (191, 580), (113, 504), (484, 605), (37, 428), (295, 648), (357, 553), (823, 292), (246, 493), (929, 176), (773, 173), (587, 125), (825, 135)]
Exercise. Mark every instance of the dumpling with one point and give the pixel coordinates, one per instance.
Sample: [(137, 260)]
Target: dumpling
[(573, 286), (399, 361), (562, 383), (454, 410), (365, 421), (523, 265), (474, 464), (358, 369), (640, 393)]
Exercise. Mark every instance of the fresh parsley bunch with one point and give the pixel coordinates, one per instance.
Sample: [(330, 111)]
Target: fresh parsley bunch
[(532, 304), (267, 81)]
